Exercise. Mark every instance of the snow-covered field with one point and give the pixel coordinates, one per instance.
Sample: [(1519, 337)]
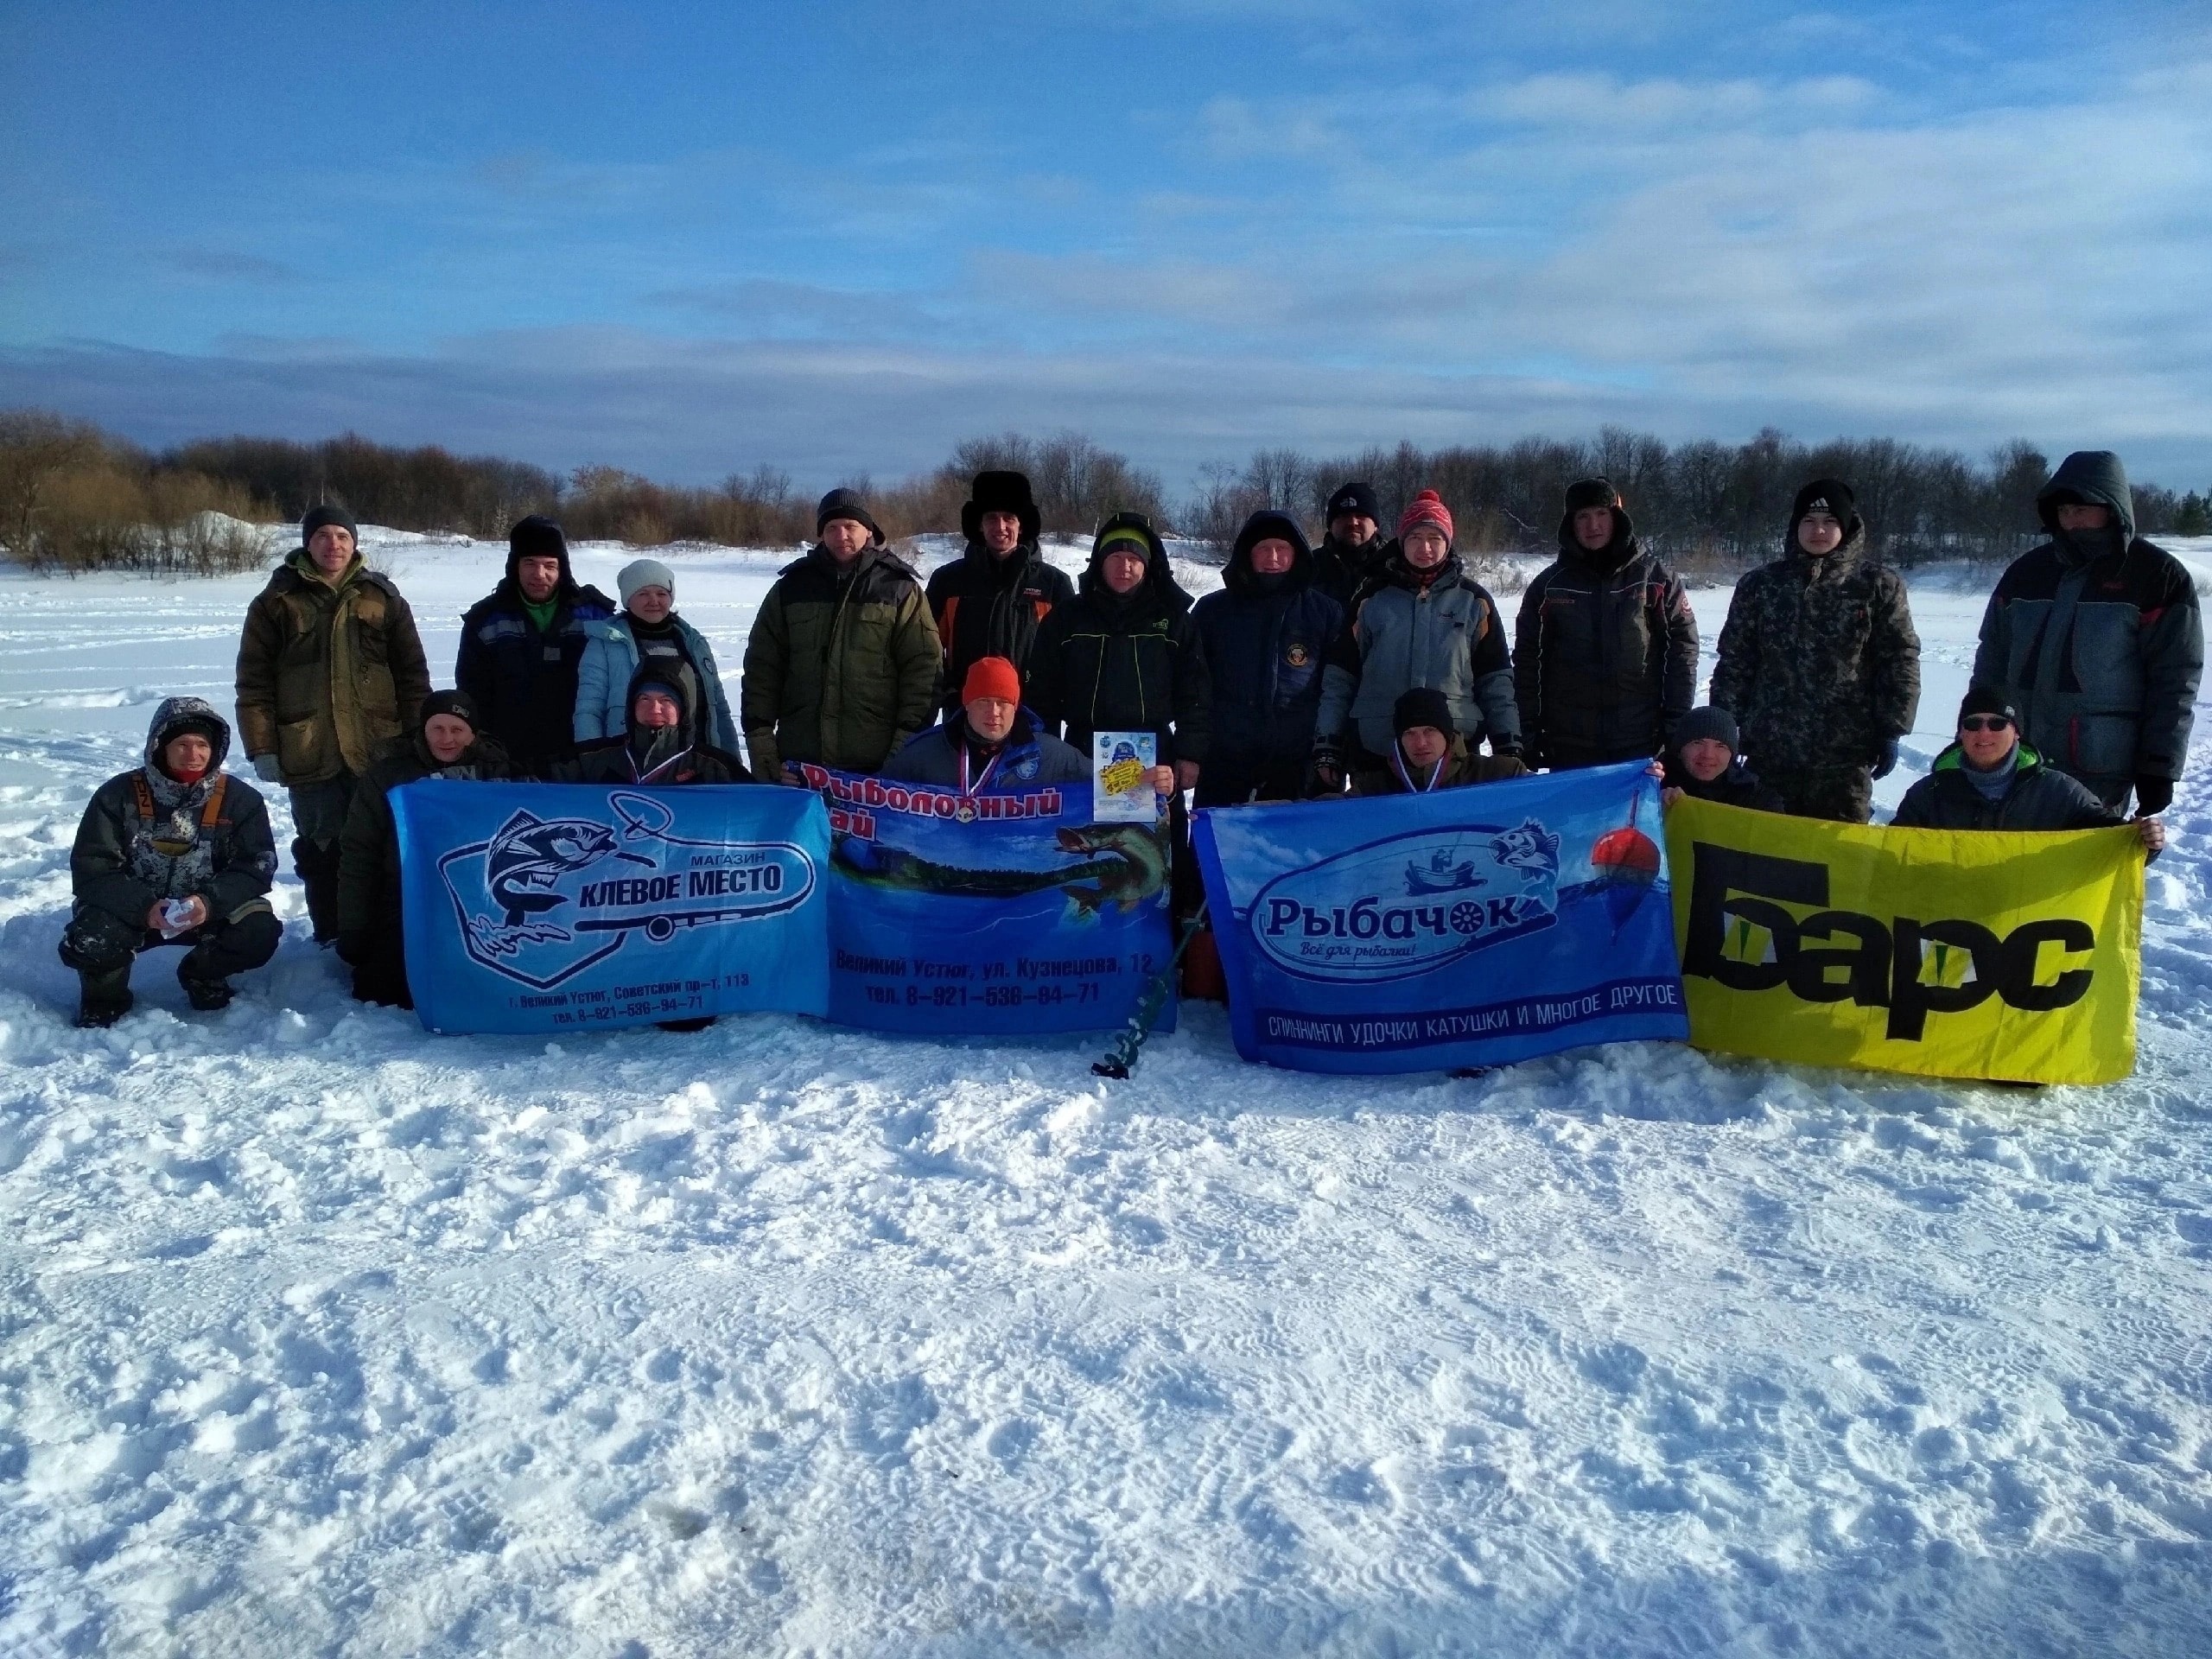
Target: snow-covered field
[(319, 1335)]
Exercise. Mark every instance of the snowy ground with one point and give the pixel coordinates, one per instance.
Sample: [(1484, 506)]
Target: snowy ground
[(318, 1335)]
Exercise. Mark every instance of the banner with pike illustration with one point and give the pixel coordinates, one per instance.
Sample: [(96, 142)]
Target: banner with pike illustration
[(988, 914), (1470, 927), (538, 907)]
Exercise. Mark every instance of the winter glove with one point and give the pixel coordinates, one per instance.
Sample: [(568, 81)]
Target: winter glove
[(1329, 764), (1885, 758), (767, 762), (268, 768), (2152, 795)]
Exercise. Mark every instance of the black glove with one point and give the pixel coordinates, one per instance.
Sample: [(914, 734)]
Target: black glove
[(1886, 761), (2152, 795)]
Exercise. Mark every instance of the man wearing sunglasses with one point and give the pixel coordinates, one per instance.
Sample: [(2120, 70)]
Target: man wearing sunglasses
[(1991, 780)]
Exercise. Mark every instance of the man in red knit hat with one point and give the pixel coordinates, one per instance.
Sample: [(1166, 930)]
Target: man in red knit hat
[(1428, 623)]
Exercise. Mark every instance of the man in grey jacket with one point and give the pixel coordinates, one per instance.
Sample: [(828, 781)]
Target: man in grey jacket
[(1424, 622), (2096, 637)]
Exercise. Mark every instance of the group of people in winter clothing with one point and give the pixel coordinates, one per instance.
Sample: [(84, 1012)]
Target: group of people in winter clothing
[(1373, 665)]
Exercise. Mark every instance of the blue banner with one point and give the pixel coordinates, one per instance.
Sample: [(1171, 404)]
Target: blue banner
[(988, 914), (1473, 926), (548, 907)]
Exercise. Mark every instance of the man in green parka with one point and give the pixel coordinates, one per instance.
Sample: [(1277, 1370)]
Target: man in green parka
[(843, 664), (330, 670)]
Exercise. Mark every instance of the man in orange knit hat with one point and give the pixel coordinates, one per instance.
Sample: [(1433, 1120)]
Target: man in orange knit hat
[(992, 744)]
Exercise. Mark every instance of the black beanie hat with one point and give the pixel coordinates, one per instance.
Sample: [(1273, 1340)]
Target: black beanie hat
[(459, 704), (1987, 699), (1592, 493), (1832, 496), (841, 503), (1422, 706), (1709, 722), (328, 514), (1359, 497)]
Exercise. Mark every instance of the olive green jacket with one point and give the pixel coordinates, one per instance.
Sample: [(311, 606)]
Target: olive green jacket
[(329, 672), (838, 671)]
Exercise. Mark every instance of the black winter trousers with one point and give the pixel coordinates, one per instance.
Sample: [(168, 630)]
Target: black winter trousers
[(102, 946), (319, 817), (1842, 794)]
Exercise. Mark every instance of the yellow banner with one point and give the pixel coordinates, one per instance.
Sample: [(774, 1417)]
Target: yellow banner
[(1951, 953)]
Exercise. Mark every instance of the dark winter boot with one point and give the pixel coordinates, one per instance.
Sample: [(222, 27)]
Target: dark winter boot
[(207, 996), (103, 998)]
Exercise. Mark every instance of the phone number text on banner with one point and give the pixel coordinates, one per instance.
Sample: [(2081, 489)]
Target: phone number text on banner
[(988, 914), (550, 907), (1473, 926)]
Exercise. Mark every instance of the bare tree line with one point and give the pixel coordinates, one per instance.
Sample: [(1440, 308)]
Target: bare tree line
[(72, 496), (1701, 501)]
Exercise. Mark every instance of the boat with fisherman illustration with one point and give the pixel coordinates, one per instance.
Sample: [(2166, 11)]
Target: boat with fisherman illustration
[(1441, 875)]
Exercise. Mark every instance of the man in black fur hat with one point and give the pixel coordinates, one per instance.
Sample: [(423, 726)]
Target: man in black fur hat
[(989, 601)]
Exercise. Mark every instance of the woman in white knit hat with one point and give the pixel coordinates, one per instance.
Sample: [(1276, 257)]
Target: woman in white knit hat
[(647, 626)]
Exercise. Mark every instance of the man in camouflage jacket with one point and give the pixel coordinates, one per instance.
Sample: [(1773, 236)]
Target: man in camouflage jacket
[(1819, 662)]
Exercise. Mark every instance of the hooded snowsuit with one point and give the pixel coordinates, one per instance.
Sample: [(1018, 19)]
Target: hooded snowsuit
[(612, 654), (2097, 639), (1446, 633), (371, 935), (666, 756), (842, 667), (1265, 639), (986, 606), (521, 673), (1027, 758), (1604, 656), (329, 671), (146, 837), (1820, 667), (2037, 797), (1106, 662)]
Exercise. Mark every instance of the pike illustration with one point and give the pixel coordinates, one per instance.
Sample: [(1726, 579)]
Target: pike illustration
[(530, 854), (1123, 864)]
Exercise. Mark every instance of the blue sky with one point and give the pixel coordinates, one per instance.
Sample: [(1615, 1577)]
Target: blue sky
[(687, 239)]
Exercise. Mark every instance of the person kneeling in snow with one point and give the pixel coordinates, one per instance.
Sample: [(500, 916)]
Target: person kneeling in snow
[(992, 745), (662, 745), (1429, 755), (1703, 765), (447, 745), (1991, 780), (172, 852)]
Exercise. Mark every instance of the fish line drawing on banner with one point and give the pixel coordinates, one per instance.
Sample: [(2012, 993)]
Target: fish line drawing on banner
[(1121, 864), (538, 904), (1490, 924), (1006, 912)]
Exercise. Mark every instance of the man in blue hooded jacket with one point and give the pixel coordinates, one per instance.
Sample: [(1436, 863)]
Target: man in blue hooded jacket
[(1266, 636)]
